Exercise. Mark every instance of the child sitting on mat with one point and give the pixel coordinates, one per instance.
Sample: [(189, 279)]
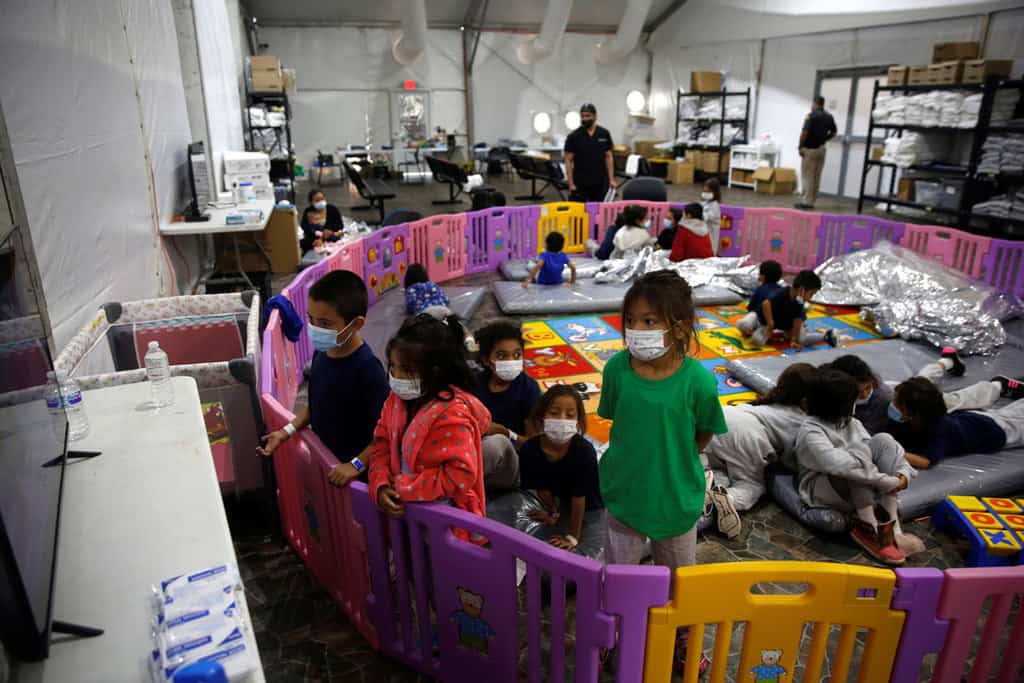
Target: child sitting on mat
[(548, 269), (634, 234), (692, 238), (783, 314), (841, 466), (922, 422), (422, 295), (347, 384), (426, 446), (510, 395), (768, 275), (560, 467), (670, 224), (759, 433)]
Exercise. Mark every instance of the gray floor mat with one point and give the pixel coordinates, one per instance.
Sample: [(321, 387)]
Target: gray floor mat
[(994, 474), (585, 297), (386, 316), (519, 268)]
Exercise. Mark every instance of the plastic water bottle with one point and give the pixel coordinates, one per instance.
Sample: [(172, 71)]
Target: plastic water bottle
[(74, 408), (158, 371), (54, 406)]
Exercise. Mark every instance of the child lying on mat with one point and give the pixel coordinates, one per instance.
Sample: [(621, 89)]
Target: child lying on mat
[(921, 421), (840, 465), (783, 314), (426, 446), (759, 433), (548, 269), (422, 295)]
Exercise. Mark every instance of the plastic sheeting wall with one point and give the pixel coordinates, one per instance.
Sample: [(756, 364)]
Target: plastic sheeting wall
[(95, 110)]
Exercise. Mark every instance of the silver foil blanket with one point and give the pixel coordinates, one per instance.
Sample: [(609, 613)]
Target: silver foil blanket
[(916, 298), (719, 271)]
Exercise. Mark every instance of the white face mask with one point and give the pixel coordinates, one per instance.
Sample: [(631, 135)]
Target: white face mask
[(706, 196), (799, 299), (560, 431), (646, 344), (508, 370), (405, 389), (320, 205), (863, 401)]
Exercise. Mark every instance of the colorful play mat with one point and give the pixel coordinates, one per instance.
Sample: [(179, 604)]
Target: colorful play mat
[(574, 350)]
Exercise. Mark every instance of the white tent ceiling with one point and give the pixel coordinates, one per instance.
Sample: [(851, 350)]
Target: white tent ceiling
[(590, 15)]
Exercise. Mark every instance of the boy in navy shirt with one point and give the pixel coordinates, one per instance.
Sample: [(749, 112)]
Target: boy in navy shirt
[(548, 269), (783, 314), (511, 395), (347, 384), (768, 275)]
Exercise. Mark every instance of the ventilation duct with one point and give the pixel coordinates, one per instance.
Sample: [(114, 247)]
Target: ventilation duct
[(543, 45), (626, 38), (410, 42)]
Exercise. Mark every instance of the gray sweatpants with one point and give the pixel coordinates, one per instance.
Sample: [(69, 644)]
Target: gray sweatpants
[(624, 545), (739, 458), (1010, 419), (501, 462), (752, 327), (844, 494)]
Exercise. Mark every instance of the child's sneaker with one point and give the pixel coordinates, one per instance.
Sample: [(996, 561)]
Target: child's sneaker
[(1012, 388), (709, 483), (958, 368), (831, 338), (729, 522), (873, 543)]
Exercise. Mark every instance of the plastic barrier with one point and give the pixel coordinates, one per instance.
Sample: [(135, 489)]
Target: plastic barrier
[(439, 243), (917, 593), (1003, 267), (522, 231), (286, 469), (349, 256), (729, 231), (724, 594), (569, 218), (783, 235), (486, 239), (298, 294), (839, 235), (386, 258), (952, 248), (603, 215)]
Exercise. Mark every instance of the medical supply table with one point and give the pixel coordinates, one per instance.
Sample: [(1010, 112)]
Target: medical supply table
[(147, 509)]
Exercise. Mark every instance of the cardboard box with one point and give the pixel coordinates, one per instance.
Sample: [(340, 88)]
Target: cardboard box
[(709, 162), (905, 189), (705, 81), (695, 157), (264, 63), (945, 52), (775, 180), (645, 148), (979, 70), (897, 75), (876, 152), (279, 239), (917, 75), (945, 73), (740, 175), (680, 172), (267, 81)]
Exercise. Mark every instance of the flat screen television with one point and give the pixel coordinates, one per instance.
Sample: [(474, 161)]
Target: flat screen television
[(30, 493)]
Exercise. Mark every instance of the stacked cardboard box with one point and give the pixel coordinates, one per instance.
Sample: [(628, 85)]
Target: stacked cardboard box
[(918, 75), (945, 73), (775, 180), (279, 240), (740, 175), (897, 75), (680, 173), (947, 52), (645, 148), (266, 74), (979, 70), (705, 81)]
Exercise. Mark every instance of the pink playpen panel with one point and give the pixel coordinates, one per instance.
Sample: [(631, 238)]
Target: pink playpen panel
[(953, 248), (315, 529), (784, 235), (385, 259), (439, 244), (278, 376), (298, 293), (286, 471), (1003, 267), (840, 235), (348, 257)]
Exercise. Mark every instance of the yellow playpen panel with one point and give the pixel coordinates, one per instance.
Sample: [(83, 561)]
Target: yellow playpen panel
[(569, 218), (850, 597)]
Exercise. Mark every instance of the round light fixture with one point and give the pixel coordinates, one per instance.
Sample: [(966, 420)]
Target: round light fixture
[(635, 101), (541, 122), (572, 120)]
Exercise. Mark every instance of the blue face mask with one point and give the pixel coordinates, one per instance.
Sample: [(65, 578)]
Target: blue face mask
[(325, 338), (667, 223), (894, 413), (647, 224)]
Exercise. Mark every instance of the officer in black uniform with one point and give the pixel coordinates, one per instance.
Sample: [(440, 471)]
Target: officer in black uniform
[(588, 159), (819, 128)]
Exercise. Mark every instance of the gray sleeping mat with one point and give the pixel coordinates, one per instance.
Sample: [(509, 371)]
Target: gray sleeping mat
[(519, 268), (386, 316), (585, 297)]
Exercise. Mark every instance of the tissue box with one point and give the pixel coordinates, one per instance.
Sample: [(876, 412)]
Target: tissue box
[(246, 162)]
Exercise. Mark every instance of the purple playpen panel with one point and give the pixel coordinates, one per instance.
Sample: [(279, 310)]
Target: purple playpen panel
[(840, 235), (629, 591), (784, 235), (522, 231), (385, 259), (729, 234), (964, 594), (917, 593), (348, 256), (953, 248), (286, 472), (1003, 267), (487, 236)]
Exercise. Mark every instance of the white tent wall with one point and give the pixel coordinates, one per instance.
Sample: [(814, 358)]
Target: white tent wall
[(345, 75), (99, 146), (507, 93), (1006, 38)]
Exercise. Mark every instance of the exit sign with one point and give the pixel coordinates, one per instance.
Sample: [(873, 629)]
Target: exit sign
[(409, 85)]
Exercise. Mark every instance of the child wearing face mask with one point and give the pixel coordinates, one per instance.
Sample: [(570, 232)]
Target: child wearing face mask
[(669, 226), (321, 222), (691, 239), (347, 384), (422, 295), (634, 234), (510, 395), (559, 469), (783, 314), (664, 409), (841, 466), (426, 445), (711, 202)]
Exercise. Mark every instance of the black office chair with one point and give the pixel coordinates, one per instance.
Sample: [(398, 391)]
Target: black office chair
[(647, 189), (397, 216)]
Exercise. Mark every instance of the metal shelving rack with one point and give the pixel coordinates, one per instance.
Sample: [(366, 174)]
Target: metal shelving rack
[(279, 168), (963, 215), (721, 121)]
